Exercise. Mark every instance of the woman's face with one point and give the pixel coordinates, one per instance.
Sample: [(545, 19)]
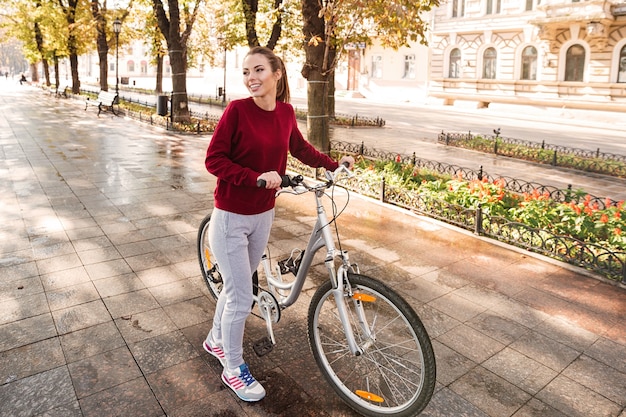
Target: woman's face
[(258, 76)]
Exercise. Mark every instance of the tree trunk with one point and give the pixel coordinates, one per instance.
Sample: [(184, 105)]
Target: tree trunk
[(177, 50), (34, 73), (46, 71), (57, 76), (180, 105), (313, 71), (40, 49), (159, 74), (70, 17), (330, 98), (102, 44), (74, 69)]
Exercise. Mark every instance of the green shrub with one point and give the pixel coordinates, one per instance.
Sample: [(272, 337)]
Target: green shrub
[(584, 221)]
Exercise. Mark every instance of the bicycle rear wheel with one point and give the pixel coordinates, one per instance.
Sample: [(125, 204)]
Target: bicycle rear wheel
[(395, 375), (208, 266)]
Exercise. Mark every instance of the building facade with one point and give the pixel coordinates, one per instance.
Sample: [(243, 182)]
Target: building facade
[(566, 53), (401, 75)]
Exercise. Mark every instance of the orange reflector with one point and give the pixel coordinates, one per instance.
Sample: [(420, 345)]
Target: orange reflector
[(364, 297), (207, 256), (369, 396)]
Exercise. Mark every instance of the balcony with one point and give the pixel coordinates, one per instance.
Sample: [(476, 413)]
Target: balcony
[(594, 16)]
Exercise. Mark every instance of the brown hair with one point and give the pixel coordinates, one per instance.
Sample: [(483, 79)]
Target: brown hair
[(282, 86)]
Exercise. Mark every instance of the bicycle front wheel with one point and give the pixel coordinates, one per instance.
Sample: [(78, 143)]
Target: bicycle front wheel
[(395, 373)]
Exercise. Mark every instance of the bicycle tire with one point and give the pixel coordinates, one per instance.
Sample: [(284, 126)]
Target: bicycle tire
[(209, 267), (396, 374)]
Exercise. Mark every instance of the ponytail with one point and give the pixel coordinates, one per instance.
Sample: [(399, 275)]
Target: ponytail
[(282, 87)]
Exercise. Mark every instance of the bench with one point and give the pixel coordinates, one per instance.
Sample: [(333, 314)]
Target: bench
[(61, 91), (105, 100)]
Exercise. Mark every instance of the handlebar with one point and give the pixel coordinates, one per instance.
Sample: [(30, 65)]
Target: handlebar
[(286, 182), (296, 180)]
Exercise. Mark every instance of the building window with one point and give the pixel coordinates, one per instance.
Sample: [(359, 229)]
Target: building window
[(532, 5), (621, 76), (377, 66), (575, 63), (409, 67), (529, 63), (493, 6), (458, 8), (490, 59), (144, 67), (111, 66), (455, 64), (131, 66)]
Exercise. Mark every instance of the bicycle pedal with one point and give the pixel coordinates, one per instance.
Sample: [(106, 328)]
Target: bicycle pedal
[(263, 346)]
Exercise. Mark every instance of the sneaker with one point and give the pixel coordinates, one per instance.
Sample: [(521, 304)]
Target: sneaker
[(242, 382), (215, 350)]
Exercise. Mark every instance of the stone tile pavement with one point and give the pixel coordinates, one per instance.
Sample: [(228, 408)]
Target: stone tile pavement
[(103, 311)]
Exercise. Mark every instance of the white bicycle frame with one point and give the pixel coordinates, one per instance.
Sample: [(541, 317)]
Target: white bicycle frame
[(321, 236)]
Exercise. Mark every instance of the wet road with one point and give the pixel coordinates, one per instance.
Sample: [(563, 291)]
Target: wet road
[(103, 310)]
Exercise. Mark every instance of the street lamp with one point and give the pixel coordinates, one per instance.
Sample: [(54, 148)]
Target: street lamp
[(117, 28), (221, 39)]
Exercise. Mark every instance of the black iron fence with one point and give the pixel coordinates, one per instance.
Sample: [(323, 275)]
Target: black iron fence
[(582, 159), (602, 261), (515, 185)]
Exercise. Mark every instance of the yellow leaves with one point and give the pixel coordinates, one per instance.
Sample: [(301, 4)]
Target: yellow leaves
[(315, 40)]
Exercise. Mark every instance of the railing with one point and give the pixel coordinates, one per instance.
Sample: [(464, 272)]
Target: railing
[(515, 185), (542, 152), (602, 261)]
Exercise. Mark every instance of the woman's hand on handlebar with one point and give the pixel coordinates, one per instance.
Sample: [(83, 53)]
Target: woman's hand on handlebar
[(348, 161), (270, 180)]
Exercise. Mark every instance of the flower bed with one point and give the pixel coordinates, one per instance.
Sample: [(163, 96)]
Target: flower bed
[(582, 233)]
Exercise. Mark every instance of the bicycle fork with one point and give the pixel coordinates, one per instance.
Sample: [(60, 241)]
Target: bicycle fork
[(342, 291)]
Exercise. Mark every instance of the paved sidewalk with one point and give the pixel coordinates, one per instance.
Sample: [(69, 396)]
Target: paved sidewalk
[(103, 310)]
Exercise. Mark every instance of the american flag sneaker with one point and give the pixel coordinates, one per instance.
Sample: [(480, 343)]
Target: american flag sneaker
[(215, 350), (242, 382)]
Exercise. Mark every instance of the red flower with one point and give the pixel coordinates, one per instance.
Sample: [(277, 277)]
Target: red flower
[(604, 218), (398, 158)]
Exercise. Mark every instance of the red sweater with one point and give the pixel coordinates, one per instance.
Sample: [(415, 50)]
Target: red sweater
[(249, 141)]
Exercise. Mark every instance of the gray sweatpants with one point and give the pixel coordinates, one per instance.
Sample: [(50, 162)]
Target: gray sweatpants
[(238, 242)]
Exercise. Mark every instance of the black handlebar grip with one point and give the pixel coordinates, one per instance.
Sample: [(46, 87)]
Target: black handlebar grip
[(346, 164), (285, 182)]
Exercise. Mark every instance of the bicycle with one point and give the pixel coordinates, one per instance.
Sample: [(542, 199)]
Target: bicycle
[(367, 341)]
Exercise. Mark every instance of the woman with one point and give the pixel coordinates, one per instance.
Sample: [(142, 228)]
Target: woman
[(250, 142)]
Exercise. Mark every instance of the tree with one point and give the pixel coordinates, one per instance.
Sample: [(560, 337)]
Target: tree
[(99, 15), (34, 24), (77, 17), (331, 24), (140, 22), (276, 24), (102, 17), (176, 28)]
